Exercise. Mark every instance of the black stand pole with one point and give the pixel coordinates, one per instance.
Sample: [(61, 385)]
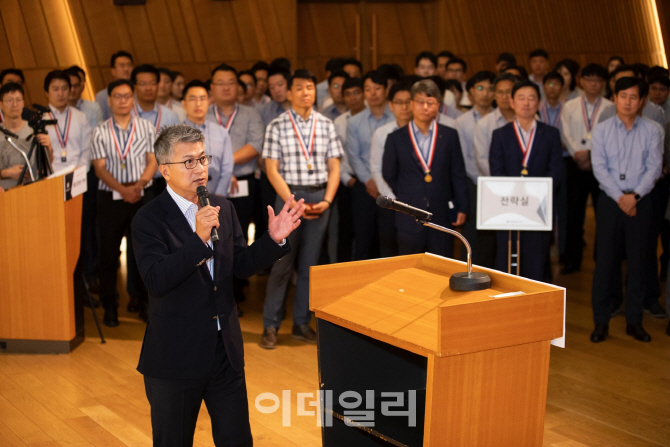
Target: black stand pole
[(95, 316)]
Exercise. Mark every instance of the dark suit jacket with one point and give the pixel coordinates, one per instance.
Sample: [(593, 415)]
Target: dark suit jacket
[(402, 171), (506, 158), (184, 301)]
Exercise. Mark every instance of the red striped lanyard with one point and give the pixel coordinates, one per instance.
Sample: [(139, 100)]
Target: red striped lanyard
[(301, 141), (65, 134), (231, 118), (526, 147), (426, 163), (126, 148)]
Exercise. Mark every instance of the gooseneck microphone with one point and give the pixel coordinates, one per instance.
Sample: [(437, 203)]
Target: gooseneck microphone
[(462, 281), (203, 197), (392, 204)]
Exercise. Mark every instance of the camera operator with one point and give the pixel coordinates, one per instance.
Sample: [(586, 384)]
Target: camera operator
[(11, 161), (71, 136)]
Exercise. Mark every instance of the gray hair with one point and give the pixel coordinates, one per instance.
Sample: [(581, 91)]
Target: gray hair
[(426, 86), (169, 136)]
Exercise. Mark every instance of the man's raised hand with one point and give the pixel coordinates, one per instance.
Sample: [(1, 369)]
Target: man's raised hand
[(281, 225)]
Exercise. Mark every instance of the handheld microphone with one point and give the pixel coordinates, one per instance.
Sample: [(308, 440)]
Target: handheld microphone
[(8, 133), (387, 202), (203, 197)]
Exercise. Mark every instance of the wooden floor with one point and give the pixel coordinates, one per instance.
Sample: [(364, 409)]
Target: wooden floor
[(616, 393)]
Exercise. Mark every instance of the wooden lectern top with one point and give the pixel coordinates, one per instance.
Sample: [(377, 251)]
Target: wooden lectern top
[(406, 301)]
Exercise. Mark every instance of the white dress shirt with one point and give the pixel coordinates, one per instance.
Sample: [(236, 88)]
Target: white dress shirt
[(77, 139), (574, 133)]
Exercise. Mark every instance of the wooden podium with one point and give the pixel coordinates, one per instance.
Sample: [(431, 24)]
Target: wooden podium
[(479, 363), (39, 247)]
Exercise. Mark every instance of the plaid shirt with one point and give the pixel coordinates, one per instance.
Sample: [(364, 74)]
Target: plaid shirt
[(281, 143)]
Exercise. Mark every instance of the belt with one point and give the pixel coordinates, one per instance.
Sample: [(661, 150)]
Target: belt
[(245, 177), (308, 188)]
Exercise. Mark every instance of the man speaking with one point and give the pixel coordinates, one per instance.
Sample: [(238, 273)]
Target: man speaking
[(192, 347)]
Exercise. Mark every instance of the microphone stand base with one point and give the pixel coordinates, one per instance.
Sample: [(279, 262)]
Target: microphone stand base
[(464, 283)]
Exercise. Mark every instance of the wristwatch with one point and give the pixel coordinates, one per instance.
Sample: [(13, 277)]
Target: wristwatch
[(637, 197)]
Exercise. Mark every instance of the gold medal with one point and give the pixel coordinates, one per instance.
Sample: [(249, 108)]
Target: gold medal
[(123, 165), (428, 178), (524, 171), (588, 136), (309, 166)]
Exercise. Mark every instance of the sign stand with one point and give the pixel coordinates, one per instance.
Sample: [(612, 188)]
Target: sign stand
[(516, 256)]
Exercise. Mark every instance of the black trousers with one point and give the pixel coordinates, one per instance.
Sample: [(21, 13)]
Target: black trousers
[(345, 224), (482, 242), (618, 234), (427, 240), (580, 185), (87, 264), (388, 236), (265, 196), (659, 203), (535, 257), (175, 405), (366, 234), (244, 206), (114, 218)]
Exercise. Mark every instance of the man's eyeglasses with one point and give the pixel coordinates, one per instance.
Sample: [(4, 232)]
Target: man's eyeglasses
[(191, 163), (119, 97), (399, 103)]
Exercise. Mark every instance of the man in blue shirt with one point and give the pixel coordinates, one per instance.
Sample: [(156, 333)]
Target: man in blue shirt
[(359, 139), (322, 88), (627, 160), (337, 106), (122, 67)]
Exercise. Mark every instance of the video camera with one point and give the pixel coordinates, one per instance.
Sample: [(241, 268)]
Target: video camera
[(35, 118)]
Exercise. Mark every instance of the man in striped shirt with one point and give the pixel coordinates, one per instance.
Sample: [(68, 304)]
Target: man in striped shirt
[(123, 158)]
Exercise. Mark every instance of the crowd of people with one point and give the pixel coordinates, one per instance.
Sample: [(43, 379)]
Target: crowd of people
[(272, 133)]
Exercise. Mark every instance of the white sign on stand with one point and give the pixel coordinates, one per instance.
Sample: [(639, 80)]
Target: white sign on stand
[(515, 203)]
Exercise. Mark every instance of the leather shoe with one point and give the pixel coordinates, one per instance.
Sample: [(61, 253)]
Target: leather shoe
[(600, 333), (305, 333), (655, 310), (269, 338), (111, 318), (637, 332)]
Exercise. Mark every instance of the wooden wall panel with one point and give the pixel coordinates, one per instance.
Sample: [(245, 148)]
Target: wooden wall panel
[(195, 35), (37, 36), (478, 31), (192, 36)]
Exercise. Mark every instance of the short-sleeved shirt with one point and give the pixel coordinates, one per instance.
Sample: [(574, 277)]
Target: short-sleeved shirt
[(282, 143), (92, 111), (245, 128), (102, 99), (9, 156), (108, 136), (160, 116), (218, 145)]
